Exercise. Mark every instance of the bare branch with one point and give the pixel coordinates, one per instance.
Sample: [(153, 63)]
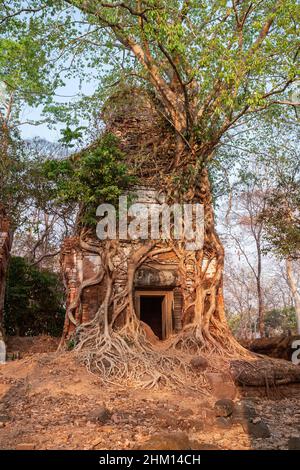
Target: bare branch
[(21, 11), (46, 255)]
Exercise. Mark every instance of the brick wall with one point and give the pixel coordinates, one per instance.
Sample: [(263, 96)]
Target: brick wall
[(161, 272)]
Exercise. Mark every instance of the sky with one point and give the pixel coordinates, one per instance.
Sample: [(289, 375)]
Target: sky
[(64, 94)]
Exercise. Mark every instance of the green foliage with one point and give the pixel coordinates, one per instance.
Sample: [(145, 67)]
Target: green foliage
[(282, 319), (211, 65), (13, 186), (24, 55), (95, 175), (34, 301), (281, 216), (233, 321), (235, 57), (68, 135), (71, 344)]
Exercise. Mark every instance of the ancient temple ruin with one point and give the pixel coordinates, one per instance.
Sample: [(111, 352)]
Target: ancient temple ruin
[(161, 293), (163, 282)]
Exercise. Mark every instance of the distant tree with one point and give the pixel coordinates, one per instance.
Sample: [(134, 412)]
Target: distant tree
[(42, 224), (240, 292), (281, 320), (241, 299), (246, 230), (264, 200), (281, 217), (294, 288), (34, 301)]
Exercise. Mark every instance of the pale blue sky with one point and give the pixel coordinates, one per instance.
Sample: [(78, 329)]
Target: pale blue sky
[(64, 94)]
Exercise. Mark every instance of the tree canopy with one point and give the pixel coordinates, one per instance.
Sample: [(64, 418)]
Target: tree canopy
[(281, 214), (211, 64)]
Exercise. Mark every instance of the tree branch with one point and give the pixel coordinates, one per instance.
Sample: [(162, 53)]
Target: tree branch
[(22, 10)]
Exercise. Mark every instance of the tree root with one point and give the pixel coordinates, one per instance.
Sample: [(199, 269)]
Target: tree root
[(195, 339), (126, 355)]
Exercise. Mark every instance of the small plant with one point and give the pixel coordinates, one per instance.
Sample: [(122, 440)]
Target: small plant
[(95, 175), (71, 343)]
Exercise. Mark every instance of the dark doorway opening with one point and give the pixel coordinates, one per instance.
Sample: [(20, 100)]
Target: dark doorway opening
[(151, 313)]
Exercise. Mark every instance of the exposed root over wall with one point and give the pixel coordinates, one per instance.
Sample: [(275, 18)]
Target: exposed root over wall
[(114, 344), (127, 355)]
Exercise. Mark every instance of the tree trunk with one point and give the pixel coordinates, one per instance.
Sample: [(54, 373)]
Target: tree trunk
[(261, 313), (260, 298), (294, 291), (5, 246), (205, 328)]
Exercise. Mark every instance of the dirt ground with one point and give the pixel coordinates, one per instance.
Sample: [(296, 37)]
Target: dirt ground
[(27, 345), (49, 401)]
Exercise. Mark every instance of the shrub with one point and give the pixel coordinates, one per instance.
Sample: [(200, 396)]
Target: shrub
[(34, 300)]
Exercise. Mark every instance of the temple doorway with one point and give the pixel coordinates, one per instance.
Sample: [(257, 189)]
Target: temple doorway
[(155, 309)]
